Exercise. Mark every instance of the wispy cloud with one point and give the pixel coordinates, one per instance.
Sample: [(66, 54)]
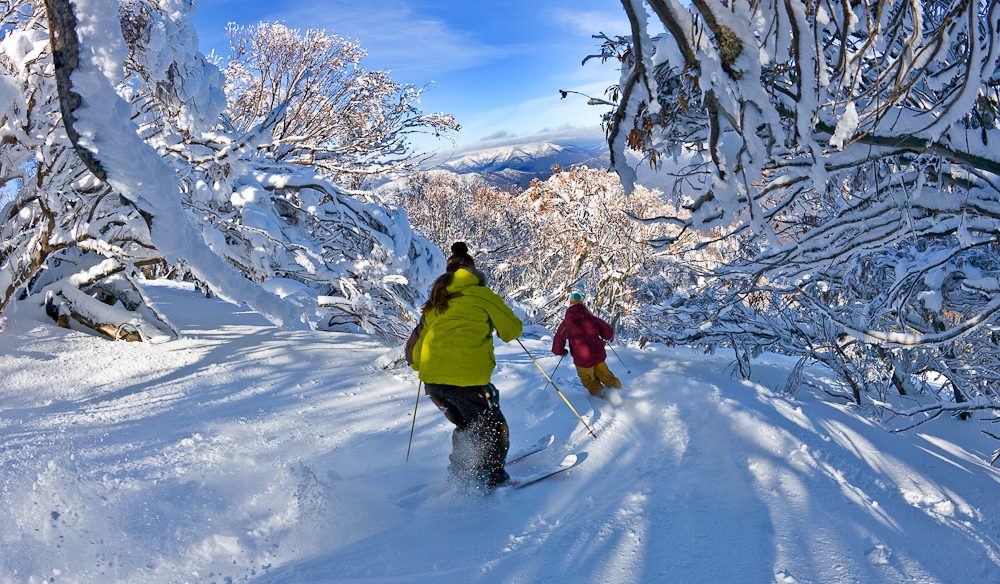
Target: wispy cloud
[(563, 134), (544, 110), (413, 46), (545, 118), (497, 136), (591, 22)]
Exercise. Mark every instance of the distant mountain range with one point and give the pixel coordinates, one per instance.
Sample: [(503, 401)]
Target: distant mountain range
[(518, 164)]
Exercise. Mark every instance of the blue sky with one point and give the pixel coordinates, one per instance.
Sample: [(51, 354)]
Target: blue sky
[(496, 65)]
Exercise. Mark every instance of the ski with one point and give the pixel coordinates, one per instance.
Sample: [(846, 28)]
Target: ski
[(567, 463), (543, 443), (411, 498)]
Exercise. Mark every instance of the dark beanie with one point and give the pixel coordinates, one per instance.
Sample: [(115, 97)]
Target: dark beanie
[(460, 257)]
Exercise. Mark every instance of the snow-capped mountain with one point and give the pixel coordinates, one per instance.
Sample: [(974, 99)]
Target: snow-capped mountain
[(520, 163), (516, 165), (521, 157)]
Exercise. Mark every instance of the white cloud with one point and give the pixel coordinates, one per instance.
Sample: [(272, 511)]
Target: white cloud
[(563, 134), (545, 118), (591, 22), (499, 135), (413, 46), (544, 111)]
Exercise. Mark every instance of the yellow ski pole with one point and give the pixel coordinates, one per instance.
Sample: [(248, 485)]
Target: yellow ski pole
[(556, 387)]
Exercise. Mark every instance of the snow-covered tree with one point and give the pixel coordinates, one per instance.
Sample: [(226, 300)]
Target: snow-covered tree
[(585, 240), (63, 226), (349, 122), (848, 149), (573, 231), (447, 207), (119, 163)]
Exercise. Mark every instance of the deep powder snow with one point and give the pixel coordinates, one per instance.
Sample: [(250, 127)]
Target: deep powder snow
[(246, 453)]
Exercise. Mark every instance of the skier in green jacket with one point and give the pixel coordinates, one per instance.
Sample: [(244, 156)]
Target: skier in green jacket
[(454, 357)]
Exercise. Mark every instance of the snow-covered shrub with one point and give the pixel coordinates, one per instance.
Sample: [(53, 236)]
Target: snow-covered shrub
[(573, 231), (849, 152)]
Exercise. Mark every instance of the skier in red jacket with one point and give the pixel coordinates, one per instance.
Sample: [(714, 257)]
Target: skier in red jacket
[(586, 335)]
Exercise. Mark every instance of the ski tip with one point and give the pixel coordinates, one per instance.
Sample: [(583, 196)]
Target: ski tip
[(568, 462)]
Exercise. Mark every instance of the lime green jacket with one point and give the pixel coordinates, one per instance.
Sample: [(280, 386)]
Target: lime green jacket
[(455, 347)]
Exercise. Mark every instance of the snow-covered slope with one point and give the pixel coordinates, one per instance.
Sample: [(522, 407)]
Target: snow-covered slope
[(246, 453)]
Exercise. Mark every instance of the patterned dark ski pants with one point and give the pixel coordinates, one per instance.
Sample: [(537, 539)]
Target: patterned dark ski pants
[(481, 438)]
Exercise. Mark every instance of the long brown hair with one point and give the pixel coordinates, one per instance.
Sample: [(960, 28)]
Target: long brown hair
[(438, 299)]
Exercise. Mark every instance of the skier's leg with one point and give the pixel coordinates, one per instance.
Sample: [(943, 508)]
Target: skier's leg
[(489, 432), (589, 380), (495, 440), (606, 377), (464, 453), (464, 457), (443, 398)]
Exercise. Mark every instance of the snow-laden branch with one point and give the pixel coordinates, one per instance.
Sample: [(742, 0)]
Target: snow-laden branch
[(935, 410)]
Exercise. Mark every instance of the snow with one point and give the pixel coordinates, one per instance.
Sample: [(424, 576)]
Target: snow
[(932, 299), (242, 452), (22, 47), (846, 127), (518, 164)]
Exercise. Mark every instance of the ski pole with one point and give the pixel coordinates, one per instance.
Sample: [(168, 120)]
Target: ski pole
[(553, 374), (413, 424), (556, 387), (627, 370)]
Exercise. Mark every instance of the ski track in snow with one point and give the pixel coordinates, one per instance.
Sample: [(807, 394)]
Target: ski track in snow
[(245, 453)]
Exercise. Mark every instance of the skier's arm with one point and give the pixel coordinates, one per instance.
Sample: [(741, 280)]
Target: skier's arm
[(559, 341), (507, 324), (412, 340), (604, 329)]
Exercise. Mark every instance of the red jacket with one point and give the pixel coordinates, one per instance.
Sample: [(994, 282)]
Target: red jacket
[(586, 335)]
